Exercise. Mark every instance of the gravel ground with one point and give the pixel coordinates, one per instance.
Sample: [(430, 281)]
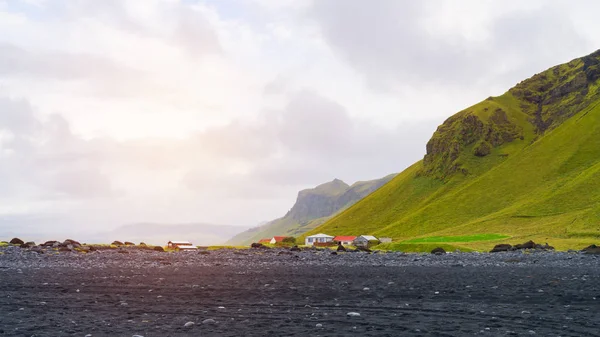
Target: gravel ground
[(282, 293)]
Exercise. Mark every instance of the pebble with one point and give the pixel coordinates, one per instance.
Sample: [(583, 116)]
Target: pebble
[(319, 325), (189, 324), (209, 321), (353, 314)]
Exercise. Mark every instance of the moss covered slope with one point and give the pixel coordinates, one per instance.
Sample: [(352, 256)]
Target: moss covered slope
[(525, 164)]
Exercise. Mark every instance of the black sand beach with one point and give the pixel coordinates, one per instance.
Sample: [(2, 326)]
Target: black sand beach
[(279, 293)]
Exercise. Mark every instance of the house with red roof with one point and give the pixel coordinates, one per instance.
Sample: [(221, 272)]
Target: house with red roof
[(277, 239), (344, 240), (264, 241)]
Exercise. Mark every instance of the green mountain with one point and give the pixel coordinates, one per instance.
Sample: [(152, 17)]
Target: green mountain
[(312, 208), (524, 165)]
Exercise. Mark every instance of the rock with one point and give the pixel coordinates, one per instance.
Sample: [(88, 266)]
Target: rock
[(72, 242), (503, 247), (143, 244), (24, 246), (527, 245), (592, 249), (64, 249), (49, 243), (295, 249), (122, 251), (117, 243), (37, 249), (353, 314), (438, 251), (30, 243), (204, 252), (319, 325), (544, 247), (189, 324), (363, 249), (17, 241), (127, 243), (209, 321), (258, 246), (341, 248), (334, 253), (158, 249), (283, 253)]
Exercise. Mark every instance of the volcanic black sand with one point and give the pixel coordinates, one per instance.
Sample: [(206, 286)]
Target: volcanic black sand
[(277, 293)]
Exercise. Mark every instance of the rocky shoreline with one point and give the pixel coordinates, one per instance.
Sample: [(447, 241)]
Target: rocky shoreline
[(257, 292)]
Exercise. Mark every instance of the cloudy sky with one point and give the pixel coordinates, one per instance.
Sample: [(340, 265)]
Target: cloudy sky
[(120, 111)]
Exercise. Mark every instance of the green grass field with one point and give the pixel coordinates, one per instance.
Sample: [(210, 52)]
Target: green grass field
[(533, 185), (461, 238)]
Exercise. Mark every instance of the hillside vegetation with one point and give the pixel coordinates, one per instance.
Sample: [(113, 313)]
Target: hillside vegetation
[(524, 165), (312, 208)]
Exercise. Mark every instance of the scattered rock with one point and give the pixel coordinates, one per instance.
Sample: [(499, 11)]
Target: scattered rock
[(123, 251), (319, 325), (117, 243), (353, 314), (295, 249), (49, 243), (438, 251), (258, 245), (204, 252), (527, 245), (17, 241), (503, 247), (143, 244), (334, 253), (127, 243), (158, 249), (209, 321), (71, 242), (189, 324), (64, 249)]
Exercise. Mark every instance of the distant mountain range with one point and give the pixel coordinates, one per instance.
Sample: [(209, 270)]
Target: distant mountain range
[(525, 164), (312, 208), (199, 234)]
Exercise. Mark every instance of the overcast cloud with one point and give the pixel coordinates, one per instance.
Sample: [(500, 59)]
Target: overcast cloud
[(180, 111)]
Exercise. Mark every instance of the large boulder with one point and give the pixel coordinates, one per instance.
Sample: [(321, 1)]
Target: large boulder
[(117, 243), (527, 245), (438, 251), (341, 248), (544, 246), (363, 249), (258, 246), (127, 243), (295, 249), (158, 249), (17, 241), (503, 247), (592, 249)]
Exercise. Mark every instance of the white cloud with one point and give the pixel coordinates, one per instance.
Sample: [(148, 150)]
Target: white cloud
[(199, 111)]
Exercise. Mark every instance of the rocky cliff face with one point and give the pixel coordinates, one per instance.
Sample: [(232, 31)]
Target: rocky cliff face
[(546, 100), (312, 207)]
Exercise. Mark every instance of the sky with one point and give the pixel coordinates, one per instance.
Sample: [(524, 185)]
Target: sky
[(179, 111)]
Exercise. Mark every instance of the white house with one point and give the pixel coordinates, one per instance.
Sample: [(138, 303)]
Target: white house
[(317, 238), (365, 240)]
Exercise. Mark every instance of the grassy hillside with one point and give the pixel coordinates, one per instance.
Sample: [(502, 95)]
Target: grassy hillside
[(524, 165), (312, 208)]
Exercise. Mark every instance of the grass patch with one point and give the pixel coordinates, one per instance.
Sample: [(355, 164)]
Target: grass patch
[(420, 247), (3, 244), (459, 238)]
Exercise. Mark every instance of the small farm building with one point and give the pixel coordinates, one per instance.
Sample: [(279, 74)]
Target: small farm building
[(365, 241), (182, 245), (344, 240), (277, 239)]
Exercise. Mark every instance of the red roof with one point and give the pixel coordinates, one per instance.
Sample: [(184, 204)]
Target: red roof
[(344, 238), (279, 238), (264, 241)]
